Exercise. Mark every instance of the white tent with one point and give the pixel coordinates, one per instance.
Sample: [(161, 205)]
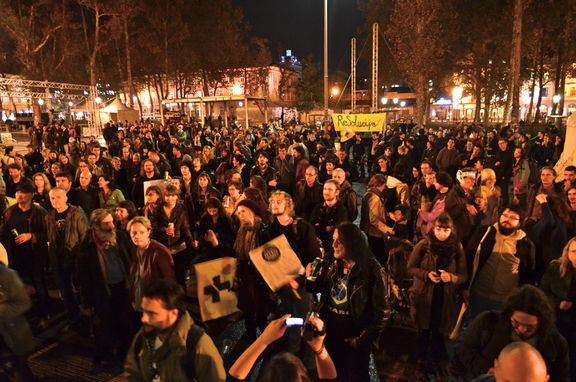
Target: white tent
[(118, 112), (568, 156)]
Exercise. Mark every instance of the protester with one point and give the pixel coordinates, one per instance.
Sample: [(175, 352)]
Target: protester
[(559, 285), (103, 266), (14, 330), (150, 260), (353, 304), (527, 316), (502, 258), (307, 193), (169, 346), (329, 213), (373, 219), (290, 366), (25, 236), (438, 266), (66, 226), (517, 362)]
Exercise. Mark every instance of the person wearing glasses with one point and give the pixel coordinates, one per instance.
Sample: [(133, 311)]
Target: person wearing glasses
[(526, 316), (503, 259)]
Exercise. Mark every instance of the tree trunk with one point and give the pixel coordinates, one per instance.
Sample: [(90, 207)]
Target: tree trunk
[(515, 58), (150, 95), (487, 101), (559, 70), (420, 98), (561, 91), (540, 84), (478, 94), (128, 62)]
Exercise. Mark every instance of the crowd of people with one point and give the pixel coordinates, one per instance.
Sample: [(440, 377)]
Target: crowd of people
[(466, 230)]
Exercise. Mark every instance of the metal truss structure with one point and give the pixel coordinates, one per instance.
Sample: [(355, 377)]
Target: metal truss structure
[(32, 89)]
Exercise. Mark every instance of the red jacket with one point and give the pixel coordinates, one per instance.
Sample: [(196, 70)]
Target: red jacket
[(156, 263)]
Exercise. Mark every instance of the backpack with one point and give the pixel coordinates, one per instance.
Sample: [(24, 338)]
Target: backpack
[(187, 363)]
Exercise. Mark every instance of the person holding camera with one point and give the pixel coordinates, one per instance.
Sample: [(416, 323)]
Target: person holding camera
[(353, 301), (289, 365)]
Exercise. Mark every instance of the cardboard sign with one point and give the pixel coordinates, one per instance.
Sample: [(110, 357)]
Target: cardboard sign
[(276, 262), (216, 294)]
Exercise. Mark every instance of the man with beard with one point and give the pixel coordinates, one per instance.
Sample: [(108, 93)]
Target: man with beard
[(502, 258), (328, 214), (263, 169), (302, 238), (169, 346), (526, 316), (103, 265)]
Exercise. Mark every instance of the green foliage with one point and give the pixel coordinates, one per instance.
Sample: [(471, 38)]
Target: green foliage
[(310, 87)]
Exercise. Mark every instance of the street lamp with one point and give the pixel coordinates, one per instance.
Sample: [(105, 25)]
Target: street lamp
[(335, 91), (40, 102), (403, 103), (384, 100), (395, 100), (556, 98), (70, 104), (97, 100)]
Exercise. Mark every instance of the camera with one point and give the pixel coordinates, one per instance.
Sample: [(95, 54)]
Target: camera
[(309, 330)]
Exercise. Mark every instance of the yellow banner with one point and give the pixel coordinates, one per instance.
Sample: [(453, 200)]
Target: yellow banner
[(359, 122)]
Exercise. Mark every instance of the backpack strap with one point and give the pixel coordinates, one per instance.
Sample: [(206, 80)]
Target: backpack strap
[(187, 362)]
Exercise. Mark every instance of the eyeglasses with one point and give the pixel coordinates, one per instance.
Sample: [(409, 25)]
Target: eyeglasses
[(528, 327), (510, 217)]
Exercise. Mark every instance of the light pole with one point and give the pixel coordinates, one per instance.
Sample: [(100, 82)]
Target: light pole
[(326, 61)]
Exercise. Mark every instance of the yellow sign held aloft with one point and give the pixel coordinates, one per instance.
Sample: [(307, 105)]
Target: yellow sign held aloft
[(359, 122)]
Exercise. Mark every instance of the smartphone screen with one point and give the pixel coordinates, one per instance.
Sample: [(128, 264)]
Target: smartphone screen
[(292, 321)]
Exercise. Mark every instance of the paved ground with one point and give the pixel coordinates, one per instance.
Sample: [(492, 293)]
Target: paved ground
[(65, 356)]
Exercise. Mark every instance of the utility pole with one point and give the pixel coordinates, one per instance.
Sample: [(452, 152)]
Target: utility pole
[(325, 61), (353, 75), (374, 67)]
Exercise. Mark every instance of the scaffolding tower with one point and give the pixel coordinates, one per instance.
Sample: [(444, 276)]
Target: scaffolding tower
[(374, 67)]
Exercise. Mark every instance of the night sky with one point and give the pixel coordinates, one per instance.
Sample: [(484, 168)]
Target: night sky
[(298, 25)]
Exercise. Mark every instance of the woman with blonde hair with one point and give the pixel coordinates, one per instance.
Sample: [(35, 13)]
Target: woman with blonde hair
[(43, 187), (559, 284), (488, 197)]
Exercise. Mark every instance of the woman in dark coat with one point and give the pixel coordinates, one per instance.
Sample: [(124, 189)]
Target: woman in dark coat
[(171, 228), (215, 231), (559, 284), (203, 190), (437, 264)]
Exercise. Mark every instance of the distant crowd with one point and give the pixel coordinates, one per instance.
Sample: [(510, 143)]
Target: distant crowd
[(466, 232)]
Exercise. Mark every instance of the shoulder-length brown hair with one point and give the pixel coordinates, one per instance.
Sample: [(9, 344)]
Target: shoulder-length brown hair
[(564, 260)]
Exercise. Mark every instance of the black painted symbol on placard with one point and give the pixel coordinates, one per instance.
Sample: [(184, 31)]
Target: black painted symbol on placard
[(271, 253), (217, 286)]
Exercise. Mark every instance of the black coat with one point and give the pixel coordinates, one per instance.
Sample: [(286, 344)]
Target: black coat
[(90, 267), (367, 296), (489, 333)]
